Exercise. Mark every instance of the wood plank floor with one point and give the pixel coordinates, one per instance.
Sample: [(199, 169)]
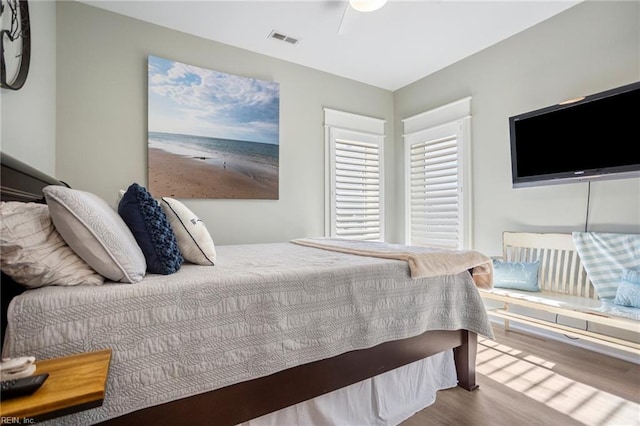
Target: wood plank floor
[(528, 380)]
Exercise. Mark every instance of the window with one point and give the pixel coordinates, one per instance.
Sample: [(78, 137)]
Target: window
[(355, 202), (437, 177)]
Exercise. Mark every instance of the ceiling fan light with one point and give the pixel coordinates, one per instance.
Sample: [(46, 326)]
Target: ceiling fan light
[(367, 5)]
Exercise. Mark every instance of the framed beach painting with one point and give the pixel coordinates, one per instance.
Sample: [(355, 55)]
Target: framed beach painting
[(211, 134)]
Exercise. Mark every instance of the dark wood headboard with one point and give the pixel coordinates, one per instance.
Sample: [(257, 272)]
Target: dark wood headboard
[(18, 182), (21, 182)]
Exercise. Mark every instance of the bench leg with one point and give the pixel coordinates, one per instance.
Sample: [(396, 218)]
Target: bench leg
[(506, 321)]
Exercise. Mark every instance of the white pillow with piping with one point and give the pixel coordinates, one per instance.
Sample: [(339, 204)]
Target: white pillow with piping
[(194, 240), (95, 231)]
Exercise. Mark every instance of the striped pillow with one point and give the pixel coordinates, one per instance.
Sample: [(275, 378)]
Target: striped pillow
[(33, 253), (605, 256)]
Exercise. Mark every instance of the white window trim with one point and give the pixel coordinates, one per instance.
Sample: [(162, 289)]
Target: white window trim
[(340, 124), (429, 123)]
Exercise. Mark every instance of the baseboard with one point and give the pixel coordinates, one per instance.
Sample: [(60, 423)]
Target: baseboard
[(625, 356)]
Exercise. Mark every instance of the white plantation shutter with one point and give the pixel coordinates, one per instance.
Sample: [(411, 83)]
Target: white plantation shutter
[(436, 178), (357, 190), (434, 185), (355, 171)]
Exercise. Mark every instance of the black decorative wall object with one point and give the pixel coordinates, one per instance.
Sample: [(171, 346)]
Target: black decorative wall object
[(16, 29)]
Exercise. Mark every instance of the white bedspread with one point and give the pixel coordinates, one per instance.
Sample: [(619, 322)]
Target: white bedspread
[(262, 308)]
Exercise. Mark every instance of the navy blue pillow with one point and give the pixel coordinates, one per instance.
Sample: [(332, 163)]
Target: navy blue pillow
[(151, 229)]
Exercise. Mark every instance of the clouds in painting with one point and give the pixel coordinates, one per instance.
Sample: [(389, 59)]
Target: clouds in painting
[(186, 99)]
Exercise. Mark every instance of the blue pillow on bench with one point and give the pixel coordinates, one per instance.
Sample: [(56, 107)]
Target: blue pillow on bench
[(516, 275), (628, 293)]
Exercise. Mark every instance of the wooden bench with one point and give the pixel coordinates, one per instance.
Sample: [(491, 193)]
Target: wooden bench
[(565, 290)]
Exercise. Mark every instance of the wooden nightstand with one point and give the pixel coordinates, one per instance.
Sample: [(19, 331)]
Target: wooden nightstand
[(75, 383)]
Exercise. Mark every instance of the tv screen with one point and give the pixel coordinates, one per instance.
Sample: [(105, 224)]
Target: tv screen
[(597, 137)]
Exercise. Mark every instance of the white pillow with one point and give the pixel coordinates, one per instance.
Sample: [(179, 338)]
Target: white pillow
[(194, 240), (96, 233), (34, 254)]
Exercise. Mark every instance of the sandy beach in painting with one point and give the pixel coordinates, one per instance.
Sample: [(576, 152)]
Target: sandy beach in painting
[(195, 176)]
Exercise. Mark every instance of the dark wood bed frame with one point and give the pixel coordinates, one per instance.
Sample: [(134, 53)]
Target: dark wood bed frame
[(247, 400)]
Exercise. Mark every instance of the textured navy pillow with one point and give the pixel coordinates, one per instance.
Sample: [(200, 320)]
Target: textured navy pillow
[(151, 229)]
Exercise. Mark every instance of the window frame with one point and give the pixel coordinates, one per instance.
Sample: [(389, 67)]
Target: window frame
[(359, 128), (452, 118)]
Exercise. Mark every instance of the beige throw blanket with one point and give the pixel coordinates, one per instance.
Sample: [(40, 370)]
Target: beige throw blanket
[(423, 261)]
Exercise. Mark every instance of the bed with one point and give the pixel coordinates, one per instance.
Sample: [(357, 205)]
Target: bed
[(270, 326)]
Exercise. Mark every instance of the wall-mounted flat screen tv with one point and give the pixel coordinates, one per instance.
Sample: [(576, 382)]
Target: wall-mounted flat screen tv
[(596, 137)]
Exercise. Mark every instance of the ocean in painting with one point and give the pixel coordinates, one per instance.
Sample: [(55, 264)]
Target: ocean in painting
[(216, 149)]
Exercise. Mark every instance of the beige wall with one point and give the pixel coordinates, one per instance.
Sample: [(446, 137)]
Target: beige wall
[(102, 119), (100, 123), (27, 116), (589, 48)]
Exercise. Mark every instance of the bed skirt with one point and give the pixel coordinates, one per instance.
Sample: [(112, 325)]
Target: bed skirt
[(386, 399)]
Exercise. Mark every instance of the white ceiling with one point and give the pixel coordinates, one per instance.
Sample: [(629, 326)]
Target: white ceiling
[(388, 48)]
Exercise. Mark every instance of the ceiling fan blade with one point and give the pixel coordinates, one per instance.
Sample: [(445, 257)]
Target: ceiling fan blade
[(344, 13), (349, 15)]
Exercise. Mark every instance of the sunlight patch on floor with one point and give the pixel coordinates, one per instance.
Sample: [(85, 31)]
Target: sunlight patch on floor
[(536, 360), (535, 378)]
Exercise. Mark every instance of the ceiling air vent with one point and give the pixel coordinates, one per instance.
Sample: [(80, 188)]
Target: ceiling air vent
[(283, 37)]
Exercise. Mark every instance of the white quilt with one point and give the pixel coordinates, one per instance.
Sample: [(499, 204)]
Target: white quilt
[(262, 308)]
